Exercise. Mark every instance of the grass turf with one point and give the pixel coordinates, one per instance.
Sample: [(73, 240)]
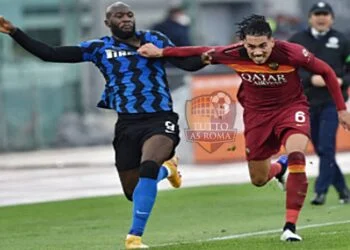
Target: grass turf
[(185, 215)]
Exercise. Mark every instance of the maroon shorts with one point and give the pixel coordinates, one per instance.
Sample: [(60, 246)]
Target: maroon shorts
[(265, 132)]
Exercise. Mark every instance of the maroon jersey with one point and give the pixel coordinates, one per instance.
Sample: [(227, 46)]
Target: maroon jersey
[(274, 84)]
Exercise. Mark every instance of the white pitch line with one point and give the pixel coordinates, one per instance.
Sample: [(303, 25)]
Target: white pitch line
[(244, 235), (236, 236)]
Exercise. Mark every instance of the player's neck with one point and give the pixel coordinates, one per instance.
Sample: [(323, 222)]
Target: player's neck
[(133, 41)]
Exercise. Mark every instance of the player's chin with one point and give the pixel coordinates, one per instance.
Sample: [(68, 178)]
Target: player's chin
[(259, 61)]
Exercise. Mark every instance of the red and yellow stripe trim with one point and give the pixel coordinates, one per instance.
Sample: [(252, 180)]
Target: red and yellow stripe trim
[(249, 67), (297, 168)]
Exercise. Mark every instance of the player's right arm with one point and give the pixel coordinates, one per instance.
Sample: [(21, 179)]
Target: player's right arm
[(210, 54), (66, 54)]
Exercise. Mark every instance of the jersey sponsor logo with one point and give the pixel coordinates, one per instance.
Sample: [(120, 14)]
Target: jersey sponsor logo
[(264, 79), (118, 53)]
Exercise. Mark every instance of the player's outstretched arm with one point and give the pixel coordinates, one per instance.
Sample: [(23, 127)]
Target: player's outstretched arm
[(209, 54), (192, 63), (68, 54), (150, 50)]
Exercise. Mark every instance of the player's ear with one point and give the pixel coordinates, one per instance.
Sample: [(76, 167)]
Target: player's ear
[(245, 44), (272, 42), (107, 23)]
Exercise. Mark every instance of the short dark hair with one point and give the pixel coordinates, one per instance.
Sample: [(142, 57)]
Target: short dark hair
[(176, 9), (254, 25)]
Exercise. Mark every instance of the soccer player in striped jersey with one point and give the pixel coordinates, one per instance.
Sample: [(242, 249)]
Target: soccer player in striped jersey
[(147, 131), (276, 111)]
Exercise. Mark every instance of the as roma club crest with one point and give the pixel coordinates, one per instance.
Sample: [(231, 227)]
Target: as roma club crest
[(210, 119)]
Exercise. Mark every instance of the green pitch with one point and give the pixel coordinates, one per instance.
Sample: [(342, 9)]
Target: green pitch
[(182, 219)]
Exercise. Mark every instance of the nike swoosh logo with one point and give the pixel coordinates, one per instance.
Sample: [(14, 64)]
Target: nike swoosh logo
[(141, 213)]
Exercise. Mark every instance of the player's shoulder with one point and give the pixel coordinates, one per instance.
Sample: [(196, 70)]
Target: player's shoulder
[(96, 42), (232, 49), (155, 37), (287, 45), (152, 33), (293, 52), (290, 49), (236, 46)]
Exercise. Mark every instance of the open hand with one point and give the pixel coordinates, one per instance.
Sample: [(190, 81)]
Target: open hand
[(6, 26)]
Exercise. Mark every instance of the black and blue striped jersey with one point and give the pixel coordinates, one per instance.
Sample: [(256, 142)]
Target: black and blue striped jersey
[(134, 84)]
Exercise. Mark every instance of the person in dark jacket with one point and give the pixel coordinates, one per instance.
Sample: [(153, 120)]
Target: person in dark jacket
[(331, 46), (176, 26)]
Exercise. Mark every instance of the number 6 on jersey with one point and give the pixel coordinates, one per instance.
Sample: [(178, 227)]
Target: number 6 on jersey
[(300, 117)]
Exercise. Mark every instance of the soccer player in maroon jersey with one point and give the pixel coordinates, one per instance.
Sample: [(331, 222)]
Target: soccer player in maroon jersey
[(275, 108)]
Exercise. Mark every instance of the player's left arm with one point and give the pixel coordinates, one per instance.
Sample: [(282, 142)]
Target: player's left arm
[(192, 63), (307, 60)]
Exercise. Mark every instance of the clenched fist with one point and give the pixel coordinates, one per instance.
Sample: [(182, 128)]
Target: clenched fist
[(150, 50), (344, 119)]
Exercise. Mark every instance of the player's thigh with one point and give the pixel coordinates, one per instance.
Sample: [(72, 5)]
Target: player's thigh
[(261, 142), (161, 138), (127, 159), (158, 148), (296, 141), (293, 127)]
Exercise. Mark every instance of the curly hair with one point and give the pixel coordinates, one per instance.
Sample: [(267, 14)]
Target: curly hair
[(254, 25)]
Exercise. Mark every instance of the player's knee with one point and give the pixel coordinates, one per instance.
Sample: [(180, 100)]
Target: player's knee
[(158, 157), (149, 169), (128, 195), (128, 192), (258, 181)]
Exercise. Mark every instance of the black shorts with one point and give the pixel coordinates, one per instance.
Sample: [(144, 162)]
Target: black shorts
[(131, 131)]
